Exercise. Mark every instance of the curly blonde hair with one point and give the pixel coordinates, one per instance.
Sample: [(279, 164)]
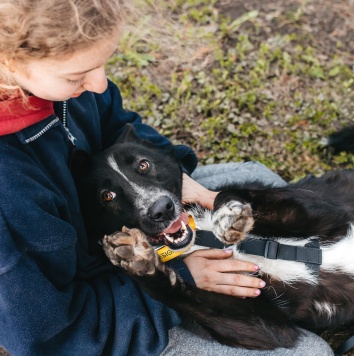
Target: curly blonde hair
[(37, 29)]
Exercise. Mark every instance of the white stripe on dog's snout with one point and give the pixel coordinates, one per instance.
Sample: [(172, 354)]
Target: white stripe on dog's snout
[(113, 164), (145, 195)]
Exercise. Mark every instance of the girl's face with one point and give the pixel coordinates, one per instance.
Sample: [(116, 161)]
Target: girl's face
[(57, 80)]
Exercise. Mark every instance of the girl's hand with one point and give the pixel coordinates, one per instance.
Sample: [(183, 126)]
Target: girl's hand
[(214, 271), (193, 192)]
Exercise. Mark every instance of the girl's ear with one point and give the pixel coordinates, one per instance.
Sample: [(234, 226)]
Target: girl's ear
[(128, 134)]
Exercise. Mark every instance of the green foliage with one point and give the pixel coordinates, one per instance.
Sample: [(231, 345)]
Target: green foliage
[(270, 98)]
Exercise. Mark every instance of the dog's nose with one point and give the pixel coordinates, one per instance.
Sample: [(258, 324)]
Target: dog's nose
[(163, 209)]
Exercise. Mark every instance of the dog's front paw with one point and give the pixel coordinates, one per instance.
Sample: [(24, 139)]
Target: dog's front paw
[(130, 250), (232, 221)]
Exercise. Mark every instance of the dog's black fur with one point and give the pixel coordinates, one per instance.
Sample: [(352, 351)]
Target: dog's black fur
[(342, 140), (322, 207)]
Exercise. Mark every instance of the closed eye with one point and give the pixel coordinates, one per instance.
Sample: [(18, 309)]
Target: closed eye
[(76, 82)]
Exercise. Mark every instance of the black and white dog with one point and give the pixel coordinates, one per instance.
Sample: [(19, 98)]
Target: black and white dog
[(301, 236)]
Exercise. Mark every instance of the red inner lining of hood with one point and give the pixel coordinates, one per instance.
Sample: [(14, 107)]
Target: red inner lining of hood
[(17, 114)]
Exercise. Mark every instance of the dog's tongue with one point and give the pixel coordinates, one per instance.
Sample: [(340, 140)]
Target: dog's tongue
[(175, 226)]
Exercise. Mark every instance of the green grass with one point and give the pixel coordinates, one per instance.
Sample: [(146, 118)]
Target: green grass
[(269, 99)]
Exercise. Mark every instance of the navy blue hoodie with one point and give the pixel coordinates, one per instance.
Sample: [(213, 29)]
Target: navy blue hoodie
[(56, 296)]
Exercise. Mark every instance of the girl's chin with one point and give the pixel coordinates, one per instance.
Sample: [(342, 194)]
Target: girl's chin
[(75, 95)]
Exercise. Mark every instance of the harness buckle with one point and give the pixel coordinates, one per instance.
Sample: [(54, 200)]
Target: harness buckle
[(271, 249)]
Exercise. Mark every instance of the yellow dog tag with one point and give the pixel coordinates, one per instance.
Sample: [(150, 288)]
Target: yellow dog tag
[(166, 254)]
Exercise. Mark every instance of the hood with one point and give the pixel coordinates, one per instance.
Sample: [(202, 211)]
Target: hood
[(17, 113)]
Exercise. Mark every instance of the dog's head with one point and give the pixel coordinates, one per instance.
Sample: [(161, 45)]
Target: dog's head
[(133, 184)]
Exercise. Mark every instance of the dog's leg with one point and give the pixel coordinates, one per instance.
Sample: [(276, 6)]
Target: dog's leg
[(286, 212), (130, 250), (251, 323), (232, 221)]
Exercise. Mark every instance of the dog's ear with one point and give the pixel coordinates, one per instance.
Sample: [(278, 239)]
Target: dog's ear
[(128, 134), (80, 163)]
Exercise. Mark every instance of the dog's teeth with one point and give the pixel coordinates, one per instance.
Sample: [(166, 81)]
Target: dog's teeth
[(184, 227), (169, 238), (182, 238)]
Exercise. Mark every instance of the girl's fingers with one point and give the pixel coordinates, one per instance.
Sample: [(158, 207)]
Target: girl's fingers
[(213, 270), (239, 280), (212, 253), (236, 291), (236, 285), (193, 192), (220, 262), (231, 279), (232, 265)]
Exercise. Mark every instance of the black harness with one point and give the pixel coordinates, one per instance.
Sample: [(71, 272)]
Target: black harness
[(310, 254)]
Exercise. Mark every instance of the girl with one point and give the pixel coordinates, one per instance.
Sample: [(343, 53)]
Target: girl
[(58, 295)]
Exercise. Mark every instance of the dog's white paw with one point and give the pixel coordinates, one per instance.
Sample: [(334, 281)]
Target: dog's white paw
[(130, 250), (232, 221)]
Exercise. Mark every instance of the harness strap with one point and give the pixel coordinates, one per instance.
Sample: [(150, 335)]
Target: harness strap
[(275, 250), (208, 239), (310, 254), (345, 347)]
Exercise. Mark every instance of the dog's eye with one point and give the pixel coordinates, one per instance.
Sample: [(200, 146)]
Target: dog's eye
[(144, 166), (107, 196)]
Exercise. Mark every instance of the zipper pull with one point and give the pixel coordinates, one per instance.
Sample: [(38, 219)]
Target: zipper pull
[(71, 137)]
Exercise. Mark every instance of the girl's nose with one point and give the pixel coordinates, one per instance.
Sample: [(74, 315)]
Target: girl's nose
[(96, 80)]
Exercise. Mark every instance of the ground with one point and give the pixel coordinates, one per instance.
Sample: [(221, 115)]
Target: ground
[(276, 77)]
